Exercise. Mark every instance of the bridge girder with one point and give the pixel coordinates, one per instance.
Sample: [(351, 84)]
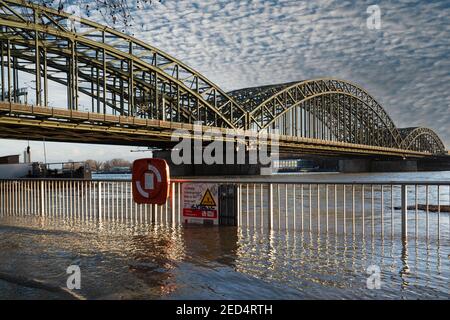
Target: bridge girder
[(45, 28)]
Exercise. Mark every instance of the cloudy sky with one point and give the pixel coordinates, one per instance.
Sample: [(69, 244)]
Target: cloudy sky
[(405, 64)]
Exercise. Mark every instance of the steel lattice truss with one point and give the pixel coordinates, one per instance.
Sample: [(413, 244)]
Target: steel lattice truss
[(334, 110), (324, 109), (123, 76), (421, 139)]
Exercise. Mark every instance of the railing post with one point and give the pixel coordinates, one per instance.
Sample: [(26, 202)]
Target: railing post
[(172, 202), (99, 201), (270, 206), (238, 197), (404, 195), (2, 205), (42, 194)]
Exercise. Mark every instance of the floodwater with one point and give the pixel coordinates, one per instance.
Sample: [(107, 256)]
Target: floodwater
[(323, 177), (148, 261)]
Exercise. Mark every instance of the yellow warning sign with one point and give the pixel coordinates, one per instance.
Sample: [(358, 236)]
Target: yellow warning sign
[(208, 199)]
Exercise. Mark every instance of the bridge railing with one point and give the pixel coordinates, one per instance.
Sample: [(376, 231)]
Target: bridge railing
[(420, 209)]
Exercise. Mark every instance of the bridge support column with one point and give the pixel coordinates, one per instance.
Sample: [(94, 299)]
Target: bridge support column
[(365, 165), (175, 170), (354, 165), (438, 164), (208, 170), (394, 166)]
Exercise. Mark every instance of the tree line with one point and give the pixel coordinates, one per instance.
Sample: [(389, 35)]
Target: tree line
[(109, 165)]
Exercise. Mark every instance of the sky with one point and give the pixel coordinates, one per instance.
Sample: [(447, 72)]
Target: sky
[(405, 64)]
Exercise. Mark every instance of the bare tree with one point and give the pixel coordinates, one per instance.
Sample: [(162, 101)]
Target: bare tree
[(94, 164), (107, 166), (116, 13), (116, 163), (120, 163)]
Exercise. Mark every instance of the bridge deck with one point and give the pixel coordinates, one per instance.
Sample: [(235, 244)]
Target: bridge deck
[(18, 121)]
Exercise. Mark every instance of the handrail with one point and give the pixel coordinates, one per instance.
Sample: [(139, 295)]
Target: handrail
[(243, 180)]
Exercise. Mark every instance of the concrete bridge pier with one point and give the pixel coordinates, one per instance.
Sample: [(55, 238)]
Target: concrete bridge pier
[(354, 165), (208, 170), (367, 165)]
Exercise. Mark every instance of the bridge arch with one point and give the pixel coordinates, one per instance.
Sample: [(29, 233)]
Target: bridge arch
[(152, 83), (351, 109), (422, 140)]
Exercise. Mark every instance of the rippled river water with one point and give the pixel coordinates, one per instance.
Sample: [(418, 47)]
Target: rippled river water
[(147, 261)]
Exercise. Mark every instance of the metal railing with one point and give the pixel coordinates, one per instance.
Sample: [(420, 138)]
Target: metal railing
[(357, 208), (79, 199), (348, 208)]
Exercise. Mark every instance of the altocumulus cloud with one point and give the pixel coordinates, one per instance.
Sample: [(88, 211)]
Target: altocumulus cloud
[(405, 65)]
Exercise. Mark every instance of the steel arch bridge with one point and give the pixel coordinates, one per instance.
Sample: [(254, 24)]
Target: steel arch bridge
[(117, 87)]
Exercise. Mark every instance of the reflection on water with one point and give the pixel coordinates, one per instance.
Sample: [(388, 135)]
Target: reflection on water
[(144, 261)]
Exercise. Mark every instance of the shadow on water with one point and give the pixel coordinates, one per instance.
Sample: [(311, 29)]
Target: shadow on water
[(31, 231)]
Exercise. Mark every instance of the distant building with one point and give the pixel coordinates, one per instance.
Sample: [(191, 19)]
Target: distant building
[(13, 159), (120, 169), (10, 168)]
